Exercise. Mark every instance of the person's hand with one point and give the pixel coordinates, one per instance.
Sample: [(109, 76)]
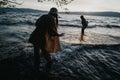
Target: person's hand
[(62, 34)]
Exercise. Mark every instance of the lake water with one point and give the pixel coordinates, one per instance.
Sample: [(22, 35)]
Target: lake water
[(95, 58)]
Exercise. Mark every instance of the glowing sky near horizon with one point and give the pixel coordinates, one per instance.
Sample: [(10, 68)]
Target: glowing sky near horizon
[(76, 5)]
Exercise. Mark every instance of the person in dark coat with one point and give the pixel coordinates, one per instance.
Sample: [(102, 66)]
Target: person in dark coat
[(45, 37)]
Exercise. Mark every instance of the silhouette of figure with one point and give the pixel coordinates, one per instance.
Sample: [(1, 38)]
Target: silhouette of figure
[(84, 25), (45, 38)]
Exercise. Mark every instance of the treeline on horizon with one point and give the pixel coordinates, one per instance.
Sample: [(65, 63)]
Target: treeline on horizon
[(105, 13)]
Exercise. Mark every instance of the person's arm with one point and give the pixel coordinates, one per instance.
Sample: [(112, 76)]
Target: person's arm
[(55, 33), (52, 28)]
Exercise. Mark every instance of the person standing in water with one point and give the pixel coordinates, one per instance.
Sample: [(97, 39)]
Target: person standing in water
[(45, 37), (84, 25)]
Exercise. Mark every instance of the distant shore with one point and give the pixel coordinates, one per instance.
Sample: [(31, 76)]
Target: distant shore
[(105, 13)]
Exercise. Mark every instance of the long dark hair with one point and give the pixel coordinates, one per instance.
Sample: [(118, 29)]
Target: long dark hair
[(56, 16)]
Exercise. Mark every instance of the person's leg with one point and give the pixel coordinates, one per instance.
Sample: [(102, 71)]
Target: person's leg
[(49, 60), (47, 55), (82, 31), (36, 56)]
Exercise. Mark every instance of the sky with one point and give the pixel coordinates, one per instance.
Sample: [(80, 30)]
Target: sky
[(76, 5)]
